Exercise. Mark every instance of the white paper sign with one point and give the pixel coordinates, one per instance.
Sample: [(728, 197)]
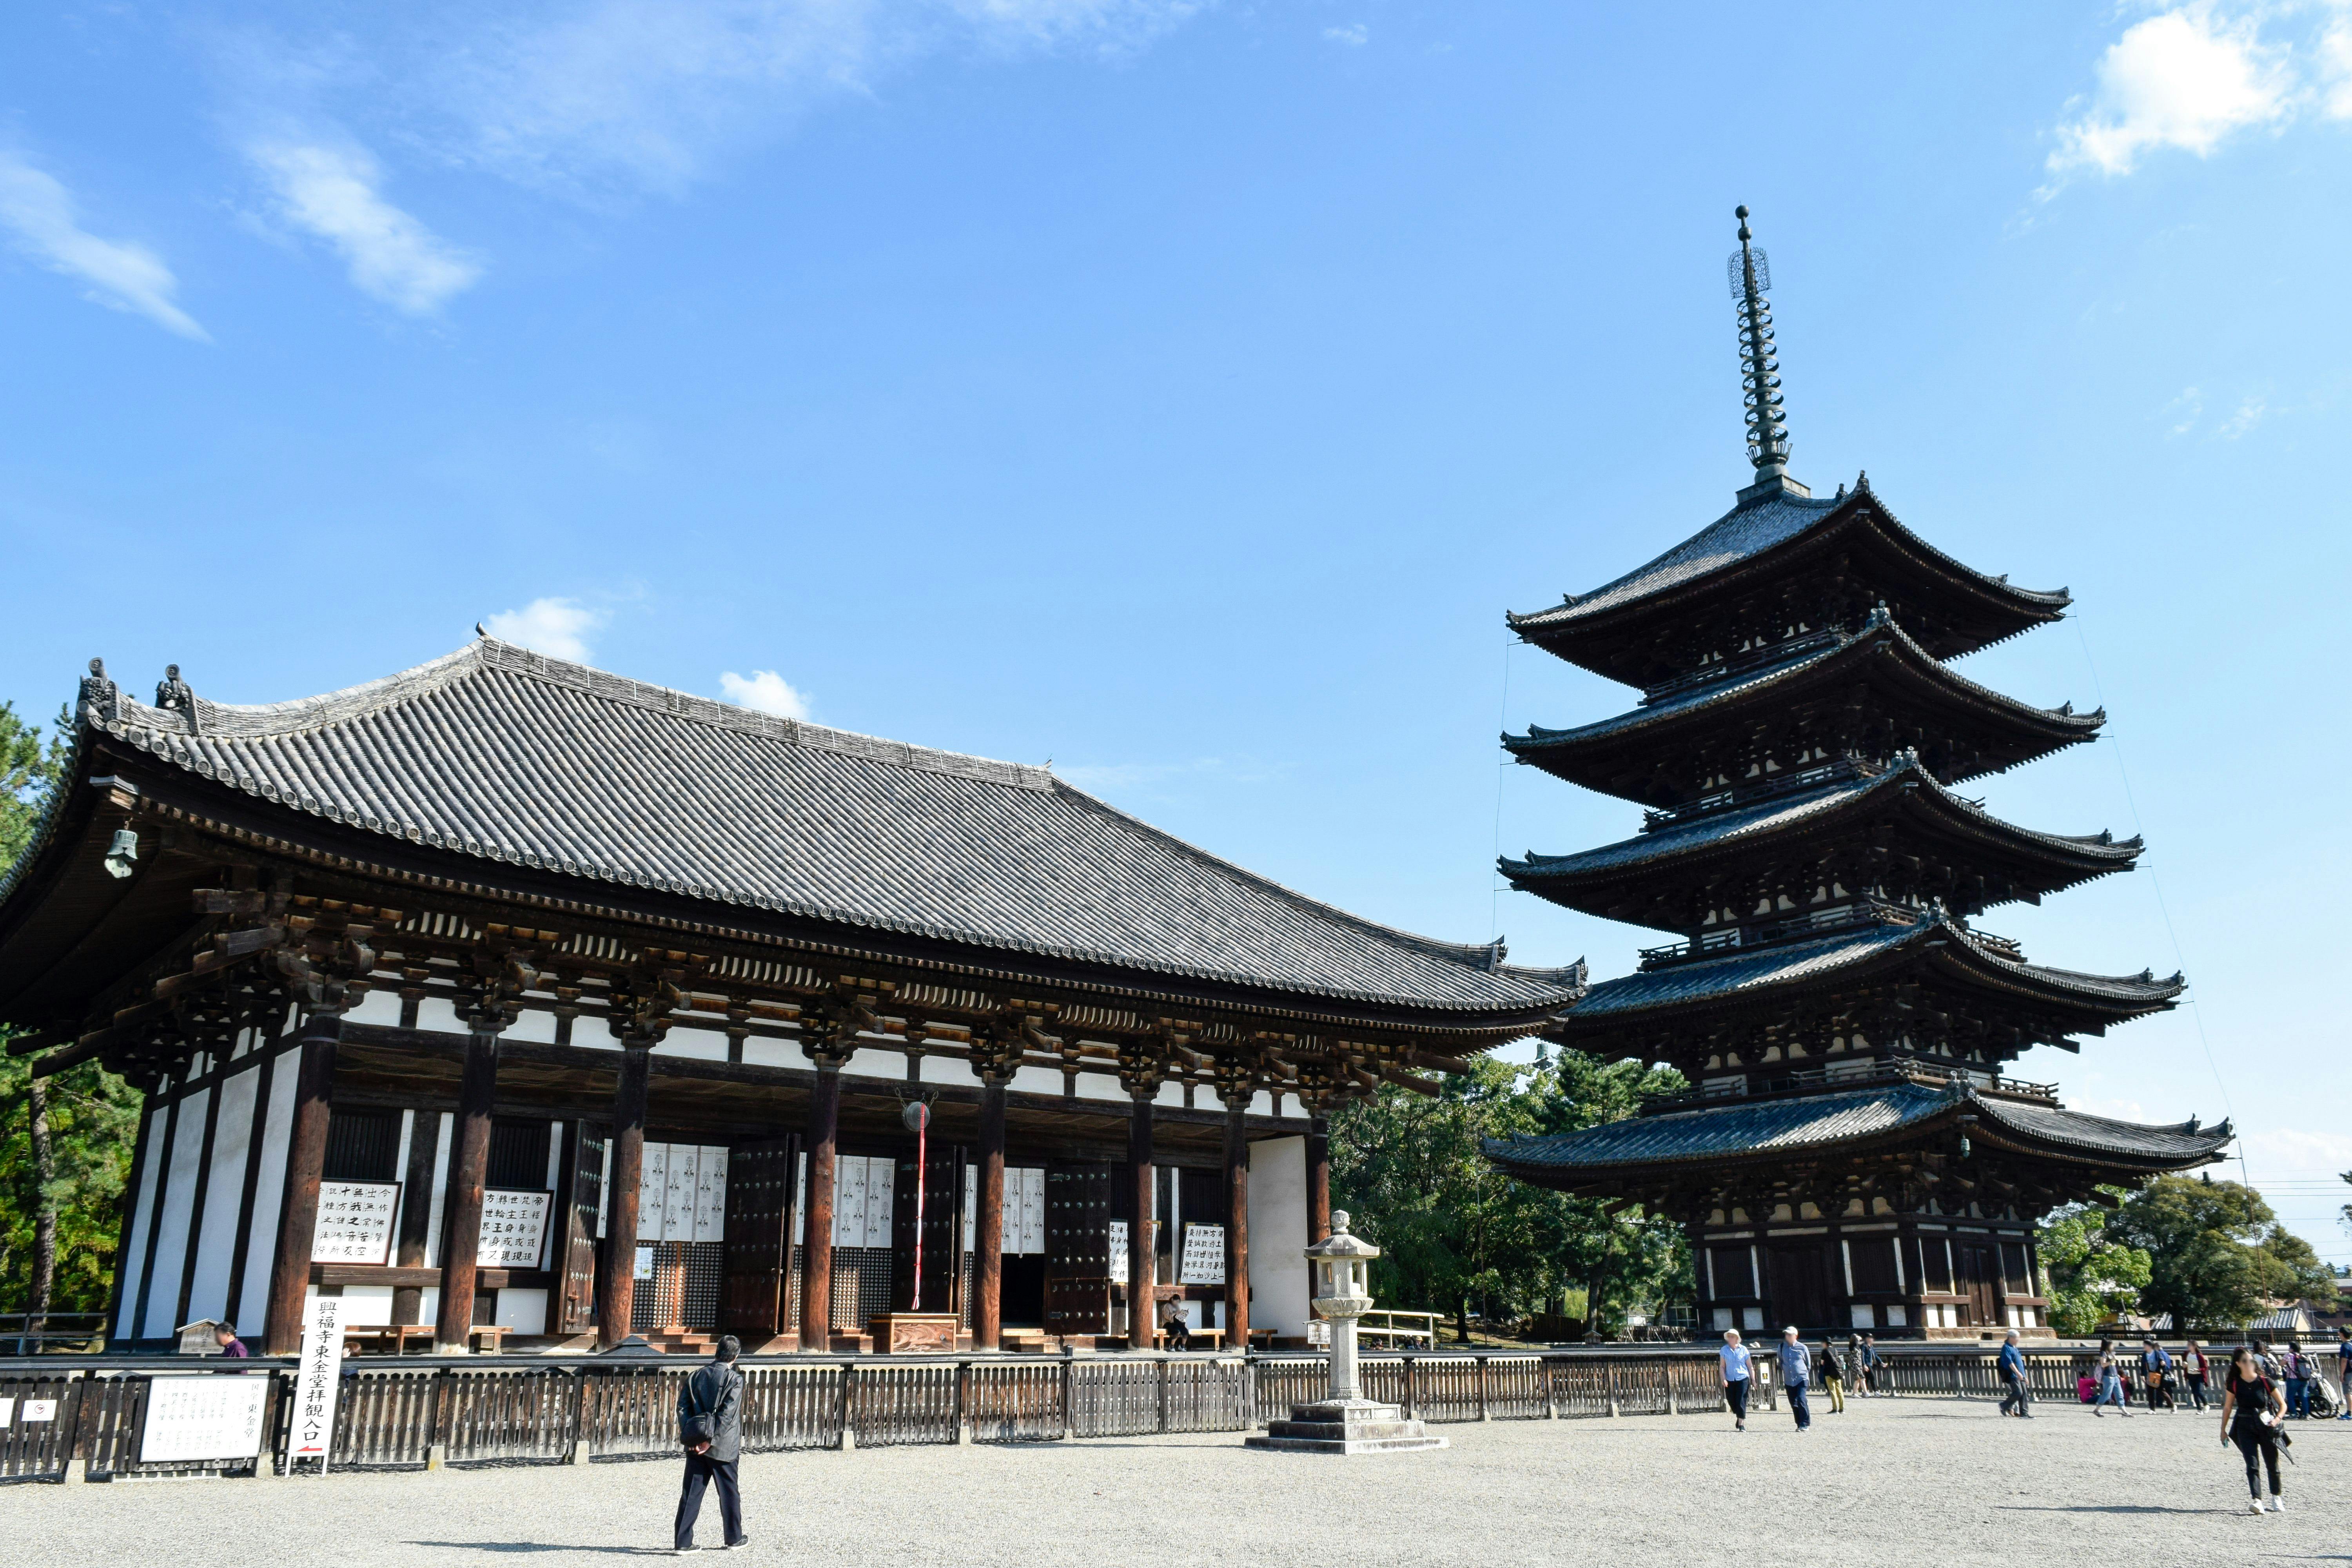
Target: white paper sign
[(677, 1192), (710, 1194), (652, 1179), (354, 1223), (311, 1433), (210, 1418), (7, 1411), (514, 1228), (1031, 1237), (1117, 1270), (881, 1174), (645, 1265), (40, 1410), (1204, 1255)]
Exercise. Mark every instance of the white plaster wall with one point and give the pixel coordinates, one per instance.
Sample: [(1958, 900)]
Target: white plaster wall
[(440, 1191), (1261, 1104), (1099, 1086), (773, 1053), (142, 1216), (698, 1045), (179, 1202), (1039, 1081), (437, 1012), (870, 1063), (1278, 1235), (224, 1195), (523, 1311), (536, 1027), (376, 1007), (269, 1192), (364, 1306), (1170, 1094)]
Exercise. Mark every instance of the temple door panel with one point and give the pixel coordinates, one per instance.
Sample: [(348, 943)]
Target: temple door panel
[(1077, 1249), (574, 1258), (1800, 1286), (942, 1259), (1979, 1281), (761, 1192)]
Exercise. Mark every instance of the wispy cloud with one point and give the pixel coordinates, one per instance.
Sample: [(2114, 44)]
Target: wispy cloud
[(558, 628), (625, 96), (1355, 35), (40, 215), (766, 692), (2251, 413), (2193, 76), (2184, 411), (334, 193)]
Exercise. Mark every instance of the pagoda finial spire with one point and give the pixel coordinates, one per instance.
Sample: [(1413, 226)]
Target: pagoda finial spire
[(1760, 373)]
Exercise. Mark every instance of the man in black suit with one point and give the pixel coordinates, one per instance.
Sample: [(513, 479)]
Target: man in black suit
[(710, 1426)]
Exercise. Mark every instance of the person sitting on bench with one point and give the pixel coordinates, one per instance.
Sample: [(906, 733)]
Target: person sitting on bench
[(1172, 1323)]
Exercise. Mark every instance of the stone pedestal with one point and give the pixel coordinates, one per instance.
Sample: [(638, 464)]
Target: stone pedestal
[(1345, 1426)]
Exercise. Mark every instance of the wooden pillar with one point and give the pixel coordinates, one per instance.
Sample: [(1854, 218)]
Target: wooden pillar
[(1237, 1301), (988, 1239), (469, 1163), (416, 1212), (616, 1270), (306, 1157), (1318, 1179), (816, 1245), (1140, 1304)]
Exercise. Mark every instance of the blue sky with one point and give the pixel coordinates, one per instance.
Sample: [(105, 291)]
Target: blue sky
[(1181, 391)]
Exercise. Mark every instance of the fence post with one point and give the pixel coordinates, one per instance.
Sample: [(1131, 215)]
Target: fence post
[(1674, 1407), (848, 1406), (582, 1418), (1411, 1391), (1163, 1394), (1551, 1388), (963, 1404), (1069, 1395), (1481, 1387), (436, 1442), (1609, 1368), (76, 1456)]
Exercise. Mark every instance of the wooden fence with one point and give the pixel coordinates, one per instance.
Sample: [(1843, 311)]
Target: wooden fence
[(545, 1410)]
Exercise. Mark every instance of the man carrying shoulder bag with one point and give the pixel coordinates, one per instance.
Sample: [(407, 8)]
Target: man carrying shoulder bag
[(711, 1427)]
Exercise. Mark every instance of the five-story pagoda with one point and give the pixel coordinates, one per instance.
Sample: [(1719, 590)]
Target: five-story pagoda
[(1849, 1157)]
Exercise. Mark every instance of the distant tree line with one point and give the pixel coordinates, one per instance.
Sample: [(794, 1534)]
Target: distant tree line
[(2210, 1254)]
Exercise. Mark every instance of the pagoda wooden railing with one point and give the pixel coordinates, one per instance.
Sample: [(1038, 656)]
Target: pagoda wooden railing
[(1862, 1075), (510, 1410), (1860, 912)]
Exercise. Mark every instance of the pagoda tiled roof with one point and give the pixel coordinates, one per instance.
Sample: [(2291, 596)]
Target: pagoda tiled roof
[(504, 755), (1773, 1129), (1746, 973), (1685, 708), (2085, 856), (1754, 529)]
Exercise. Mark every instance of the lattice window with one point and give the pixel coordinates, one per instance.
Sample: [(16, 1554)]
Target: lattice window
[(705, 1271), (861, 1287)]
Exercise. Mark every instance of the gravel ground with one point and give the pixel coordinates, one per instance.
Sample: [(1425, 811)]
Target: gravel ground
[(1890, 1482)]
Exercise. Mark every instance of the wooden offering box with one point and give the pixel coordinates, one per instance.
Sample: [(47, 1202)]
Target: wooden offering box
[(899, 1334)]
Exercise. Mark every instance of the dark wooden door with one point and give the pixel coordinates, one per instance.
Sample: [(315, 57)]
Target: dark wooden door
[(1979, 1281), (942, 1222), (760, 1191), (1077, 1249), (1800, 1286), (574, 1258)]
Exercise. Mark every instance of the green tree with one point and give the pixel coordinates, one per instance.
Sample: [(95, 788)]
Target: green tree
[(2093, 1277), (2216, 1252), (64, 1141), (1457, 1235)]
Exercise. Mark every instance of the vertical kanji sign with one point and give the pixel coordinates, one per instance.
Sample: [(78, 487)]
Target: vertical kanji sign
[(311, 1433)]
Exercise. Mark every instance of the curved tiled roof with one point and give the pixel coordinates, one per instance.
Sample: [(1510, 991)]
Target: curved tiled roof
[(1726, 828), (508, 756), (1746, 972), (1746, 532), (1776, 1128)]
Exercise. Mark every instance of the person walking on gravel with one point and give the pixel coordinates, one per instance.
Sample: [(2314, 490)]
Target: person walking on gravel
[(2013, 1377), (2252, 1408), (1832, 1372), (1796, 1372), (2343, 1371), (2111, 1383), (710, 1428), (2156, 1373), (1736, 1378), (2193, 1370)]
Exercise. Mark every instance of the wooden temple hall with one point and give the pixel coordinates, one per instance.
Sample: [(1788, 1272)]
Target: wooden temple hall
[(1848, 1155), (518, 1002)]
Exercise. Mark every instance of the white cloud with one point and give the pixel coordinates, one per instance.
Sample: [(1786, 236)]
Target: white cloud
[(2184, 411), (2334, 48), (765, 692), (623, 97), (333, 192), (40, 214), (2182, 78), (2250, 414), (2289, 1152), (1355, 34), (556, 627)]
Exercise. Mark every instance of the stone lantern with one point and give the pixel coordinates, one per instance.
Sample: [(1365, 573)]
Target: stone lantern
[(1344, 1421)]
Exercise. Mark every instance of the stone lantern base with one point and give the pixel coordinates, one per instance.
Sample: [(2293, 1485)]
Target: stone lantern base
[(1345, 1426)]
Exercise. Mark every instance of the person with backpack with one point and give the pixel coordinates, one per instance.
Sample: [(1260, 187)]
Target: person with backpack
[(2013, 1377), (710, 1429), (1832, 1372), (2156, 1373), (2252, 1409), (2293, 1361), (2193, 1370)]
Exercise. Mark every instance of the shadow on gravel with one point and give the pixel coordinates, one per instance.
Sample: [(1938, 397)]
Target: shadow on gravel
[(2109, 1507), (506, 1546)]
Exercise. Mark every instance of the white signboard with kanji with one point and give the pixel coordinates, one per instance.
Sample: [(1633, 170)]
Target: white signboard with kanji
[(709, 1194), (514, 1228), (311, 1433), (1205, 1256), (213, 1417), (354, 1223), (653, 1177), (1117, 1273)]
